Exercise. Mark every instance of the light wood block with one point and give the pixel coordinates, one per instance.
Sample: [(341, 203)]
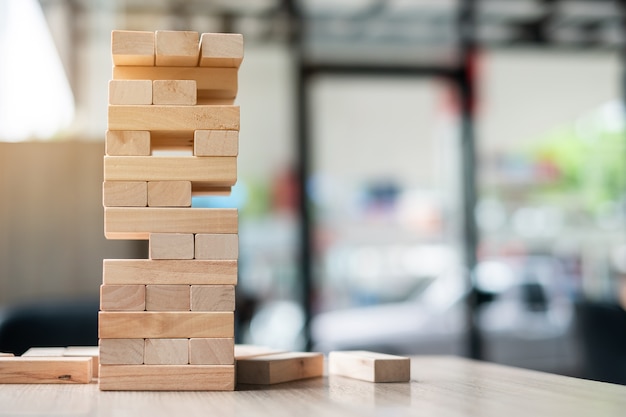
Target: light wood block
[(214, 246), (250, 351), (212, 298), (183, 118), (127, 143), (211, 83), (125, 193), (171, 246), (370, 366), (45, 370), (216, 171), (122, 297), (279, 367), (169, 193), (6, 355), (92, 352), (145, 271), (213, 351), (221, 50), (216, 143), (181, 92), (130, 92), (167, 378), (177, 48), (132, 47), (167, 298), (46, 352), (166, 352), (171, 324), (139, 222), (208, 190), (121, 351)]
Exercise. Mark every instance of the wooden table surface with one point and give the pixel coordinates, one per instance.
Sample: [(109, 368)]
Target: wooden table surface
[(440, 386)]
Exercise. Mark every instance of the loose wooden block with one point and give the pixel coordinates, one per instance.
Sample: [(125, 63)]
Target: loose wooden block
[(167, 298), (168, 118), (127, 143), (45, 370), (171, 324), (121, 351), (92, 352), (214, 246), (122, 297), (130, 92), (124, 193), (167, 377), (169, 193), (177, 48), (211, 351), (279, 367), (144, 271), (211, 83), (139, 222), (209, 190), (212, 298), (216, 171), (6, 355), (182, 92), (44, 352), (171, 245), (166, 352), (216, 143), (250, 351), (370, 366), (221, 50), (132, 47)]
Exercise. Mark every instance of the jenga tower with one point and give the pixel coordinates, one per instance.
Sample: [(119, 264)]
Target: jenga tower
[(167, 322)]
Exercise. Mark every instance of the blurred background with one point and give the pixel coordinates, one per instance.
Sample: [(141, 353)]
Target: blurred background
[(415, 176)]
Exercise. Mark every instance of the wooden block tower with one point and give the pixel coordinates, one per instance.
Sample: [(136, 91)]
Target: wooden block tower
[(166, 323)]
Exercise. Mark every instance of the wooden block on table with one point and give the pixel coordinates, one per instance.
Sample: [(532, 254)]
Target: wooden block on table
[(166, 352), (130, 92), (217, 246), (279, 367), (132, 47), (177, 48), (211, 83), (139, 222), (171, 324), (167, 377), (191, 272), (182, 92), (92, 352), (121, 351), (211, 351), (370, 366), (250, 351), (171, 245), (125, 193), (44, 352), (167, 298), (6, 355), (212, 298), (169, 193), (216, 143), (45, 370), (221, 50), (122, 297), (127, 143), (168, 118)]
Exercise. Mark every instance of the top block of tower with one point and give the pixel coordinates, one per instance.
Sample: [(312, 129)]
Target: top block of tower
[(132, 48), (176, 48), (221, 50)]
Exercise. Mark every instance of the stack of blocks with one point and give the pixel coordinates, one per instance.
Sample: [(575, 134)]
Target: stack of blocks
[(167, 322)]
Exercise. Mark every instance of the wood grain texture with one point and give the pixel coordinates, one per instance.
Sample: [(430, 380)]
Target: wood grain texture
[(150, 324), (132, 47), (167, 378), (130, 92), (179, 92), (167, 297), (144, 271), (216, 143), (279, 367), (171, 246), (166, 352), (202, 189), (243, 351), (217, 171), (211, 351), (221, 50), (212, 298), (183, 118), (211, 83), (122, 297), (45, 370), (127, 351), (124, 193), (214, 246), (92, 352), (176, 48), (127, 143), (139, 222), (169, 193), (370, 366)]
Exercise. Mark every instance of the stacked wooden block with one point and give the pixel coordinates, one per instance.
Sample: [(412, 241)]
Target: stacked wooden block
[(167, 322)]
